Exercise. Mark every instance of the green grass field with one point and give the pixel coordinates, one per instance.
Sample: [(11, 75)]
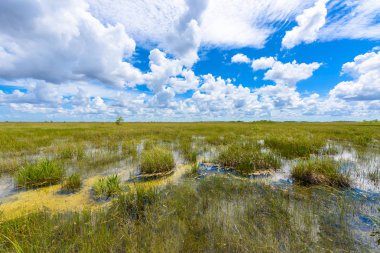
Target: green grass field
[(79, 187)]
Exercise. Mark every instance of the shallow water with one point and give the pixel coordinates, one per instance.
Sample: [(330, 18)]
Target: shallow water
[(6, 186), (363, 198)]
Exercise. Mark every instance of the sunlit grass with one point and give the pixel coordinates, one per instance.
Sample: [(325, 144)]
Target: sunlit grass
[(198, 213), (295, 146), (185, 146), (156, 160), (107, 187), (72, 152), (41, 173), (214, 214), (72, 183), (247, 158), (319, 172)]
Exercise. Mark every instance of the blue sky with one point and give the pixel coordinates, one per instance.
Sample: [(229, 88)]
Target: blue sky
[(189, 60)]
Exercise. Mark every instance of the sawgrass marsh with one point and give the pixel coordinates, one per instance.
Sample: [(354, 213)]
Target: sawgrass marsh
[(319, 190)]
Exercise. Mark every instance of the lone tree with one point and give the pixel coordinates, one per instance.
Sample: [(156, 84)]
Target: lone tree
[(119, 120)]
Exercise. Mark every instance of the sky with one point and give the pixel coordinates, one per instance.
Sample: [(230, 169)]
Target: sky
[(189, 60)]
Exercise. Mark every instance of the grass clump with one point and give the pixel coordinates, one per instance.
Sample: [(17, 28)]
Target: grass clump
[(42, 173), (247, 159), (72, 183), (319, 172), (296, 146), (71, 152), (156, 160), (107, 187)]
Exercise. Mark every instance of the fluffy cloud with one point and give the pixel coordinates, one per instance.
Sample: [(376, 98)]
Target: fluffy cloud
[(62, 41), (263, 63), (57, 58), (284, 73), (38, 92), (185, 40), (290, 73), (162, 69), (240, 58), (365, 69), (308, 25), (166, 72), (185, 82), (217, 96)]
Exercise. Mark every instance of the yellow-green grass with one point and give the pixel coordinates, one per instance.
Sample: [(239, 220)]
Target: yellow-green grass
[(186, 148), (215, 214), (156, 160), (247, 158), (319, 172), (107, 187), (42, 173), (72, 183), (72, 152), (295, 146)]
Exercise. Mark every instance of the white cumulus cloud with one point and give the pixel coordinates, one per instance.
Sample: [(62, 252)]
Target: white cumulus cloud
[(284, 73), (290, 73), (263, 63), (61, 41), (240, 58), (308, 25), (365, 70)]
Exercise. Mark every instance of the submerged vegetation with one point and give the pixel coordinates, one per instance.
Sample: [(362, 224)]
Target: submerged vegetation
[(214, 214), (41, 173), (319, 171), (194, 208)]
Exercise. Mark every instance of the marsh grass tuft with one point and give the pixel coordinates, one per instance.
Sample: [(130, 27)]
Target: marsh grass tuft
[(319, 172), (72, 183), (71, 152), (247, 159), (108, 187), (42, 173), (295, 146), (156, 160)]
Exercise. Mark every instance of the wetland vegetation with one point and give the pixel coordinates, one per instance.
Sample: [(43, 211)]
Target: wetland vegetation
[(227, 187)]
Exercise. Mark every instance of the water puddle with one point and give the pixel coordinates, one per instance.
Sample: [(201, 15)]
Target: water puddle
[(7, 185)]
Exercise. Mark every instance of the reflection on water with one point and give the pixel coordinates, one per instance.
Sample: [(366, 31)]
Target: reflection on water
[(363, 198), (361, 201), (6, 186)]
